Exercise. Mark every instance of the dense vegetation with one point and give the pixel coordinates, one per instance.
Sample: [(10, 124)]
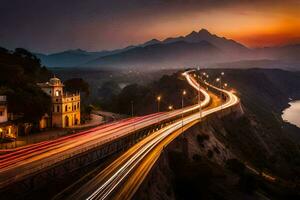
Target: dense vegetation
[(169, 87), (260, 137), (77, 85), (20, 71)]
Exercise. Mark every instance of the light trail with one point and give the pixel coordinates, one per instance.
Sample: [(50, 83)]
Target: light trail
[(28, 159), (104, 184)]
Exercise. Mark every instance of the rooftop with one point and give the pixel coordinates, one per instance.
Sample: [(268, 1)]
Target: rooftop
[(52, 82)]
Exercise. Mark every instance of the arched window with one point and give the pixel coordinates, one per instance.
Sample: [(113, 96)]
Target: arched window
[(57, 108), (66, 108), (78, 105)]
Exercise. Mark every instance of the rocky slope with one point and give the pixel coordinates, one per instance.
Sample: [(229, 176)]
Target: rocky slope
[(203, 164)]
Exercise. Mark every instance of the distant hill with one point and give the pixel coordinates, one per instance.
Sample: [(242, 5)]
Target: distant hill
[(286, 53), (176, 54), (71, 58), (196, 48)]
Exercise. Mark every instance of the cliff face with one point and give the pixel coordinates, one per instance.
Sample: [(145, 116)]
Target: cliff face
[(198, 153), (197, 164)]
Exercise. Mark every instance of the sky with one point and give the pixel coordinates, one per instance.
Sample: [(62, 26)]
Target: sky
[(49, 26)]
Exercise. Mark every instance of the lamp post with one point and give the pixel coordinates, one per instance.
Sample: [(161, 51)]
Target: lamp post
[(207, 76), (170, 107), (222, 74), (158, 98), (218, 80), (182, 103), (199, 101)]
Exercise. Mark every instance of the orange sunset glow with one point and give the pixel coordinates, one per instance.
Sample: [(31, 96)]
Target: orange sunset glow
[(117, 24)]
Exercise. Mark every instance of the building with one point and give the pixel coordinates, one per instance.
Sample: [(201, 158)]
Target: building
[(3, 109), (65, 107), (8, 131)]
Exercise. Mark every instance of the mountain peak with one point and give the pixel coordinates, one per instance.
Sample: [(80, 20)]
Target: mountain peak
[(192, 34), (151, 42), (75, 51), (203, 30)]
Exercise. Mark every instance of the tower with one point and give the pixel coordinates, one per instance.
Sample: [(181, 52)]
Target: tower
[(65, 107)]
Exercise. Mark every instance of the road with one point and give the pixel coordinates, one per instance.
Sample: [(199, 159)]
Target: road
[(23, 161), (130, 169)]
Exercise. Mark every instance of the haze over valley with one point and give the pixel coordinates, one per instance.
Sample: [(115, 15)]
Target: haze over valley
[(197, 48)]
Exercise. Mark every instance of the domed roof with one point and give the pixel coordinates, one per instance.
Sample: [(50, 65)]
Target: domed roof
[(55, 81)]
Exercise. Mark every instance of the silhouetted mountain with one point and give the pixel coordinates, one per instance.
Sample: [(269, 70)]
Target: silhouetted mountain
[(287, 52), (69, 58), (151, 42), (77, 57), (220, 42), (176, 52), (160, 55), (190, 50)]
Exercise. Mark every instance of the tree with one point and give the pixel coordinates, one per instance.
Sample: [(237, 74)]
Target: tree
[(77, 85), (19, 72)]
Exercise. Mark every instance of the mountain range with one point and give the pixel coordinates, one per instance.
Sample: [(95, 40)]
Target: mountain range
[(196, 48)]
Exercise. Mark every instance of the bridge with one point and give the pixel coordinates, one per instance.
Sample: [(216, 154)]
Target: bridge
[(158, 129)]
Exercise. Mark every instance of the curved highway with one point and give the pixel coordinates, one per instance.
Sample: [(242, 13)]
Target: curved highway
[(130, 169), (23, 161)]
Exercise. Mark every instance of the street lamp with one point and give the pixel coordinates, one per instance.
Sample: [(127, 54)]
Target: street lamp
[(170, 107), (182, 103), (158, 102), (220, 81), (199, 101)]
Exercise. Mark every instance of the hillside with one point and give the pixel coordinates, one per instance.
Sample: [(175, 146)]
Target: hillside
[(198, 164), (20, 71), (73, 58), (170, 55), (69, 58), (260, 137)]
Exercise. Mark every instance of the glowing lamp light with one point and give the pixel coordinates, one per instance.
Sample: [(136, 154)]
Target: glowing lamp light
[(158, 98)]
